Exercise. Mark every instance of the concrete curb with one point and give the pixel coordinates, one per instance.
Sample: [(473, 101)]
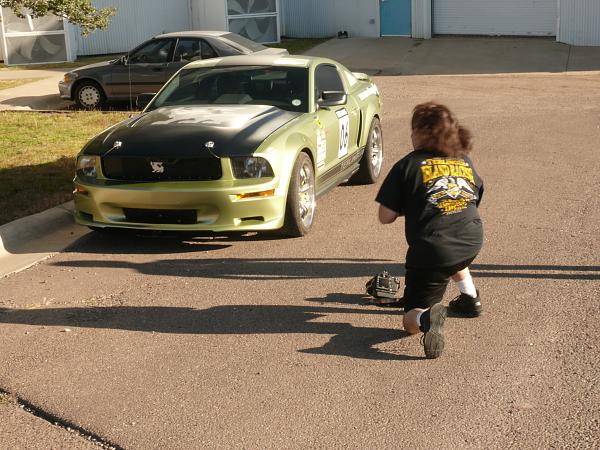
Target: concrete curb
[(24, 242)]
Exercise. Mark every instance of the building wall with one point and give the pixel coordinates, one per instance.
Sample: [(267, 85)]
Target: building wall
[(324, 18), (209, 15), (495, 17), (579, 22), (421, 19), (135, 22)]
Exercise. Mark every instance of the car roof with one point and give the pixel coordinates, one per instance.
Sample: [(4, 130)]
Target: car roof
[(193, 34), (257, 59)]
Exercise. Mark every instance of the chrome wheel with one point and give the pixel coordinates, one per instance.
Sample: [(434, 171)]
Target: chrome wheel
[(376, 156), (306, 194)]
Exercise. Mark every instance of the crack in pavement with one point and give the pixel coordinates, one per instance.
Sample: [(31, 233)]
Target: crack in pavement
[(61, 423)]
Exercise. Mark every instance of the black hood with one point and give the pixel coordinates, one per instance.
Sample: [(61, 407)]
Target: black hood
[(185, 131)]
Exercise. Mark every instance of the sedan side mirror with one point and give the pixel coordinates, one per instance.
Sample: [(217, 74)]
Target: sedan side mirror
[(143, 100), (332, 98)]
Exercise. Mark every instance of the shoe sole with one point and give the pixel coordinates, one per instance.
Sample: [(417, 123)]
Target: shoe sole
[(466, 314), (433, 341)]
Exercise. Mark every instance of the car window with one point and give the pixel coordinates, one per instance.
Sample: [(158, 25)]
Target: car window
[(187, 50), (225, 49), (243, 42), (207, 51), (283, 87), (327, 78), (154, 52)]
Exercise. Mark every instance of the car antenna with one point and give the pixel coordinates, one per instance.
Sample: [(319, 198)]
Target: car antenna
[(129, 76)]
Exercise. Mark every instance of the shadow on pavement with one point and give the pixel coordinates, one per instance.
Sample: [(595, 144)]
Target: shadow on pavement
[(347, 340), (304, 268)]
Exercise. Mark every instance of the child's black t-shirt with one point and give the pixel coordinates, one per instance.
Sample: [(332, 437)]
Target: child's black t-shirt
[(439, 197)]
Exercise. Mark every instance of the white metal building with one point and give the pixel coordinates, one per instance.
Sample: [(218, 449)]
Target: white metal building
[(48, 39), (574, 22)]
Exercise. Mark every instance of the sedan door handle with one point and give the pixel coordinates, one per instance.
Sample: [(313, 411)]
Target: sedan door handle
[(157, 69)]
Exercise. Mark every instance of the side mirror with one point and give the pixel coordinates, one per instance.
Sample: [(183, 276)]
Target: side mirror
[(332, 98), (142, 100), (122, 60)]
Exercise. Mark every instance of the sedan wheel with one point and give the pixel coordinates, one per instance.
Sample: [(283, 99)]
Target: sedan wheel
[(89, 96)]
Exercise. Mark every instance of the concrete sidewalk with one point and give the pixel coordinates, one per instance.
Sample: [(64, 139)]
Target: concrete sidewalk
[(31, 239), (37, 95)]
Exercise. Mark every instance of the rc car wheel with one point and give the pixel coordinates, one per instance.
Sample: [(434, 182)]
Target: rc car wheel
[(89, 95), (372, 159), (301, 201)]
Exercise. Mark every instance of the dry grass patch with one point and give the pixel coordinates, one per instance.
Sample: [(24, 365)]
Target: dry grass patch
[(37, 157), (7, 84)]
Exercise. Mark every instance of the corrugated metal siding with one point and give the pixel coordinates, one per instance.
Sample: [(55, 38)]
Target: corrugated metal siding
[(135, 22), (494, 17), (324, 18), (421, 19), (579, 22)]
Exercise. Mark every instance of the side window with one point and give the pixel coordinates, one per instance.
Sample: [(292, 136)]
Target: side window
[(207, 51), (327, 78), (154, 52), (187, 50)]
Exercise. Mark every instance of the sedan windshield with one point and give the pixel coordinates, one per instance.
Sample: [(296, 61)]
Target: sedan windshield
[(283, 87)]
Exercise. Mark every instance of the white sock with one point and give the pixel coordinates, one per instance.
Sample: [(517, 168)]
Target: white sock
[(467, 286)]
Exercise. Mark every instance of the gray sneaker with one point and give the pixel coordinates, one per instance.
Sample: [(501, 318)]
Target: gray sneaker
[(433, 339)]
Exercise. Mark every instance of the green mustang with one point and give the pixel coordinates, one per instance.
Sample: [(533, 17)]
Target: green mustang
[(243, 143)]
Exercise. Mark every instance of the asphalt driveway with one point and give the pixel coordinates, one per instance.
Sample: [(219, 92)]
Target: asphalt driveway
[(250, 343)]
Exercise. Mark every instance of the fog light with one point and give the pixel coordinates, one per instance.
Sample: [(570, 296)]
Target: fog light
[(268, 193), (80, 190)]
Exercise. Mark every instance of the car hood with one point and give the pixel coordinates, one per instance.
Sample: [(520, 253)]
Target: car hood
[(187, 131), (94, 66)]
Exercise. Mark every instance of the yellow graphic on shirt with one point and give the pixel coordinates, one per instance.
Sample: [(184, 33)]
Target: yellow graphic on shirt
[(450, 184)]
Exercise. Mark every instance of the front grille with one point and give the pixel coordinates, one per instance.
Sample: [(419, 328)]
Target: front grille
[(161, 169), (161, 216)]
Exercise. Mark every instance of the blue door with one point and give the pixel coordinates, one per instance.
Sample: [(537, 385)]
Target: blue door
[(395, 17)]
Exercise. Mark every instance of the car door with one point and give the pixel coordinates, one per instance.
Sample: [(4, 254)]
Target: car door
[(188, 50), (145, 69), (336, 137)]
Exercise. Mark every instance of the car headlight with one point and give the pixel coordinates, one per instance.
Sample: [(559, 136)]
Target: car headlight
[(251, 167), (86, 166), (70, 77)]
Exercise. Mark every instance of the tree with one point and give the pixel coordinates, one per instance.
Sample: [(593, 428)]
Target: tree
[(78, 12)]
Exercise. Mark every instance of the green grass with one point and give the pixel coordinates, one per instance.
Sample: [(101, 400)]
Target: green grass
[(7, 84), (298, 46), (37, 157)]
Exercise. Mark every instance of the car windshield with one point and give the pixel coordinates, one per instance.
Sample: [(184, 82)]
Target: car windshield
[(283, 87)]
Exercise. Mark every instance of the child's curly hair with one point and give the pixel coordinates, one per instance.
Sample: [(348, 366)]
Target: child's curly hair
[(440, 131)]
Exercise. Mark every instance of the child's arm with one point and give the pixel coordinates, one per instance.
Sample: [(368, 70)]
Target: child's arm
[(386, 215)]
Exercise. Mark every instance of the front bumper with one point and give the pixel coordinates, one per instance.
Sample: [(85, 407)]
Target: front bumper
[(217, 204), (65, 90)]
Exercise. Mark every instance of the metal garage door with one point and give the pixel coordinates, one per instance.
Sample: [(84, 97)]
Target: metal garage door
[(136, 21), (495, 17)]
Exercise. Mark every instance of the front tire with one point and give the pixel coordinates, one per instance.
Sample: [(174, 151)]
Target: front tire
[(372, 159), (301, 200), (89, 95)]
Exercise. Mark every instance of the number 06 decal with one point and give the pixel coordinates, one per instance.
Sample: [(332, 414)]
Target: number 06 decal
[(344, 123)]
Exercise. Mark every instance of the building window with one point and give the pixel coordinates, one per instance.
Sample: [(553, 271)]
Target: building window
[(255, 19), (33, 40)]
